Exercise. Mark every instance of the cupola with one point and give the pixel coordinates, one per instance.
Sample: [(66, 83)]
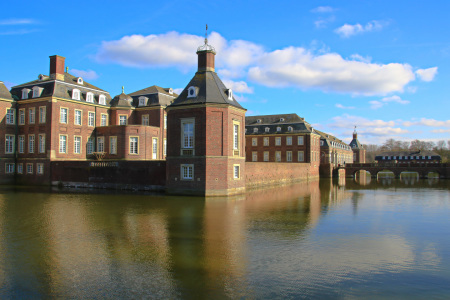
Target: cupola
[(206, 54)]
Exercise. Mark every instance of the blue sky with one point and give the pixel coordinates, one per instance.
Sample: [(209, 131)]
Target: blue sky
[(380, 65)]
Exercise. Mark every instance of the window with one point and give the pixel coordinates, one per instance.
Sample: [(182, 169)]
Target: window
[(31, 143), (301, 156), (63, 115), (154, 148), (122, 120), (278, 141), (187, 172), (235, 136), (29, 168), (90, 145), (76, 94), (236, 173), (278, 129), (254, 141), (321, 143), (230, 94), (300, 140), (288, 155), (290, 128), (21, 144), (36, 92), (42, 114), (289, 140), (40, 168), (77, 145), (266, 141), (25, 93), (281, 119), (31, 115), (258, 121), (142, 101), (63, 144), (165, 147), (254, 156), (90, 97), (145, 121), (165, 121), (133, 145), (77, 117), (104, 120), (187, 133), (10, 118), (91, 118), (102, 99), (267, 129), (192, 92), (266, 155), (113, 145), (101, 144), (255, 130), (9, 143), (19, 168), (9, 168), (22, 116), (278, 156), (79, 81), (41, 143)]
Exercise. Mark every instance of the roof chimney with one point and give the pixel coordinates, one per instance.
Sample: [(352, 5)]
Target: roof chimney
[(57, 67), (206, 55)]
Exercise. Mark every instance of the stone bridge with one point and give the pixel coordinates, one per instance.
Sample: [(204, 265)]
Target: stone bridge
[(443, 169)]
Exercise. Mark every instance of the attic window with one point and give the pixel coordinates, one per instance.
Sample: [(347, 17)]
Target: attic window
[(267, 129), (80, 80), (258, 121), (230, 94), (290, 128), (171, 91), (142, 101), (41, 77), (90, 97), (192, 92), (278, 129), (281, 119), (36, 92), (76, 94), (102, 100), (25, 93), (255, 130)]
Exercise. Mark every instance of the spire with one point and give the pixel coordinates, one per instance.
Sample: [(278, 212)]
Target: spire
[(355, 135), (123, 89), (206, 55)]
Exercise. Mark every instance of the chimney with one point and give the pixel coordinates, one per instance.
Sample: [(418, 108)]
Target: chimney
[(57, 67)]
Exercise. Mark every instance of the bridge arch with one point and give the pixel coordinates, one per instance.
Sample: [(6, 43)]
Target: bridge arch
[(427, 174)]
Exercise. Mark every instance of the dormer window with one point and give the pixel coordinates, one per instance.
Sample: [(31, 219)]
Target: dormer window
[(90, 97), (192, 92), (171, 91), (245, 130), (102, 99), (80, 80), (258, 121), (267, 129), (281, 119), (229, 93), (25, 93), (290, 128), (37, 91), (278, 129), (143, 101), (41, 77), (76, 94), (255, 130)]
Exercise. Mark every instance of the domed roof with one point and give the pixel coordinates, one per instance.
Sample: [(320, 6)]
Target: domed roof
[(122, 100)]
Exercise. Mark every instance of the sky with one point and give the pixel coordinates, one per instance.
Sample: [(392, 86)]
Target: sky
[(383, 66)]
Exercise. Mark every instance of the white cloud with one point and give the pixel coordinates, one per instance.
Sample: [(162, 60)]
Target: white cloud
[(349, 121), (338, 105), (323, 9), (348, 30), (427, 74), (427, 122), (87, 75), (358, 57), (17, 32), (441, 130), (17, 21), (238, 86), (386, 100), (298, 67)]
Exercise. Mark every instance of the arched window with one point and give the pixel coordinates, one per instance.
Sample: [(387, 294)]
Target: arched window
[(25, 93), (76, 94), (290, 128), (192, 92), (102, 99), (90, 97), (36, 92), (267, 129)]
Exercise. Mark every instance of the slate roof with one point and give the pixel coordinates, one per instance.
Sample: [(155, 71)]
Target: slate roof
[(157, 96), (328, 138), (4, 93), (122, 100), (409, 153), (284, 121), (210, 89), (60, 89), (355, 144)]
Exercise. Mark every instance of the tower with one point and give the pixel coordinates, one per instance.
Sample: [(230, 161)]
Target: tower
[(205, 143), (359, 153)]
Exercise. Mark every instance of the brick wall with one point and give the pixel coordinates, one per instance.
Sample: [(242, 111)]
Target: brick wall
[(262, 174)]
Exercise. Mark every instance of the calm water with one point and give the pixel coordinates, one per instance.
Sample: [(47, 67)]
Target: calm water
[(346, 240)]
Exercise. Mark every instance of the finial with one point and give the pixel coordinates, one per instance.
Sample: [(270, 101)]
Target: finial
[(123, 89), (206, 35), (355, 128), (67, 69)]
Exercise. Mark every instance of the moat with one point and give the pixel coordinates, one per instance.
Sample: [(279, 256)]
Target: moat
[(385, 238)]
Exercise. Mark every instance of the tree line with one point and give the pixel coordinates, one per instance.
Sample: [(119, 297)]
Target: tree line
[(441, 148)]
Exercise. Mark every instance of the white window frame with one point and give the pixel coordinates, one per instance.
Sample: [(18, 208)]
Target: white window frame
[(289, 156), (133, 145), (254, 141), (289, 140), (31, 143), (9, 168), (10, 116), (266, 156), (155, 148), (76, 94), (254, 156), (77, 142), (123, 119), (188, 136), (300, 156), (192, 92), (142, 101), (20, 168), (29, 168), (266, 141), (101, 144), (267, 129), (102, 99), (300, 140), (40, 168), (104, 120), (187, 172), (63, 143), (41, 143), (278, 141), (63, 115), (22, 116), (278, 156), (91, 118), (42, 114), (236, 136), (89, 97), (78, 117), (31, 115), (21, 144), (145, 120), (113, 145), (90, 145), (236, 171)]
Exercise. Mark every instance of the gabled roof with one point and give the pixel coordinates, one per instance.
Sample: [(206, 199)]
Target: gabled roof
[(4, 93), (355, 144), (209, 89), (328, 138)]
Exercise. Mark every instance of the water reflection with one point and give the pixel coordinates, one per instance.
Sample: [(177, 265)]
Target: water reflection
[(311, 239)]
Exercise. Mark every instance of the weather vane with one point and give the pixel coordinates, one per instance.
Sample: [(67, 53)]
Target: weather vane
[(206, 35), (123, 89)]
